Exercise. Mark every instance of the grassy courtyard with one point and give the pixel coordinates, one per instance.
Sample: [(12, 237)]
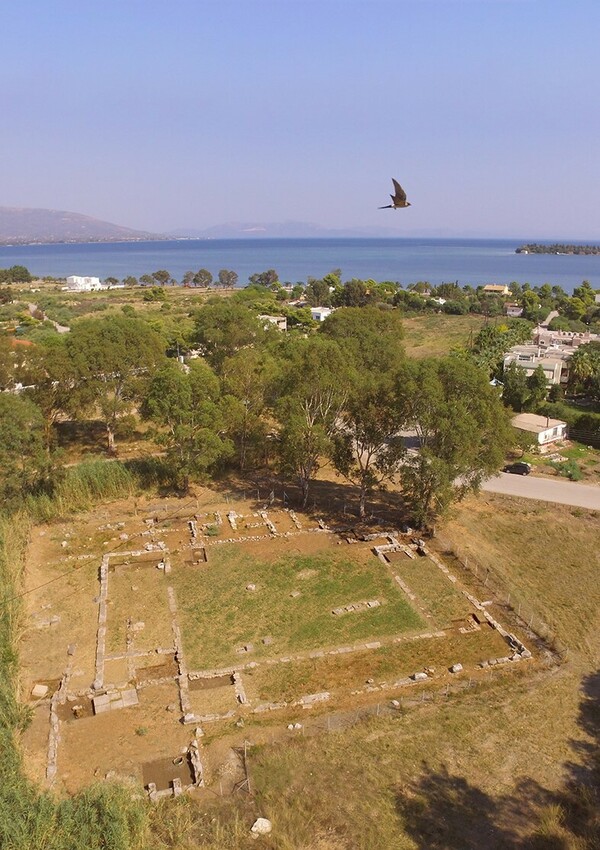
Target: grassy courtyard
[(291, 604)]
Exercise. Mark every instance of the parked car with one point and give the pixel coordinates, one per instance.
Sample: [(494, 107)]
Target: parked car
[(519, 468)]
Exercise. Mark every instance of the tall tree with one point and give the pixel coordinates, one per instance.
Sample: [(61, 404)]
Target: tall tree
[(367, 448), (115, 357), (224, 327), (203, 278), (462, 428), (228, 279), (372, 337), (162, 277), (248, 382), (515, 391), (537, 385), (52, 376), (266, 279), (313, 391), (192, 429), (317, 293)]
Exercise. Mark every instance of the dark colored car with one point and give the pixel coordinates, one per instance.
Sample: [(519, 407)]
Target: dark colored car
[(519, 468)]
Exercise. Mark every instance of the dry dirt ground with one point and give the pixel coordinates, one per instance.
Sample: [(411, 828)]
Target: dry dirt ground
[(225, 618)]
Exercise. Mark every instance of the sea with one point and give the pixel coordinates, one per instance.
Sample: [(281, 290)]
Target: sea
[(406, 261)]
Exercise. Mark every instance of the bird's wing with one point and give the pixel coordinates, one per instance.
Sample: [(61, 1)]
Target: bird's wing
[(400, 194)]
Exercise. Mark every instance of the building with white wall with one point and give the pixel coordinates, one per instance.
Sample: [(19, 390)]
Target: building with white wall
[(319, 314), (83, 284), (546, 430)]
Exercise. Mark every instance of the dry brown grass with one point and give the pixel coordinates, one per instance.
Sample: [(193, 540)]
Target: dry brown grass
[(436, 335), (549, 554)]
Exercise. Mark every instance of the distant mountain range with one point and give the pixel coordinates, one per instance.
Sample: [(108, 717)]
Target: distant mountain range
[(25, 226), (286, 230)]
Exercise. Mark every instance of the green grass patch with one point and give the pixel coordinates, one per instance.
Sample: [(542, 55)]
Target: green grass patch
[(440, 597), (218, 614)]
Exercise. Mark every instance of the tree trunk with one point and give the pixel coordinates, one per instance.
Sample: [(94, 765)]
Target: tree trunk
[(304, 484), (362, 502), (110, 436)]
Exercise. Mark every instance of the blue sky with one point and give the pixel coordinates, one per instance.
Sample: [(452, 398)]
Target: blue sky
[(161, 114)]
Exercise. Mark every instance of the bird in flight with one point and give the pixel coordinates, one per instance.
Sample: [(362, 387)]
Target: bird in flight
[(398, 198)]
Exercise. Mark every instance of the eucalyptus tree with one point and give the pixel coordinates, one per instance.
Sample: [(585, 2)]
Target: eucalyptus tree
[(248, 381), (367, 449), (267, 278), (52, 378), (162, 277), (228, 279), (203, 278), (462, 429), (313, 391), (187, 408), (371, 337), (115, 357)]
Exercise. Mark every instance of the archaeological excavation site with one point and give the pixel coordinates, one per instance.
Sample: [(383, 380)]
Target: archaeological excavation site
[(165, 637)]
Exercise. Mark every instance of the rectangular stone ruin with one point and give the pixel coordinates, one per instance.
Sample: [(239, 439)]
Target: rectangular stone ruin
[(199, 556), (115, 700), (169, 777)]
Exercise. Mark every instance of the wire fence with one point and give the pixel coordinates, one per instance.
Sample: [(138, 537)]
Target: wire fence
[(491, 583)]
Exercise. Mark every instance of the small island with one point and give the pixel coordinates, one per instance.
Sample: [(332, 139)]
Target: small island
[(535, 248)]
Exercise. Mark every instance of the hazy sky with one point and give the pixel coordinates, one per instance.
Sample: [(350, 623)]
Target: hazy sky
[(160, 114)]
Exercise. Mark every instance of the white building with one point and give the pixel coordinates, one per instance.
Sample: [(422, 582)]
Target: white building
[(513, 311), (545, 429), (319, 314), (83, 284), (554, 361)]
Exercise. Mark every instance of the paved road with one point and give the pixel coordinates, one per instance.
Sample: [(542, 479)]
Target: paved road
[(545, 489)]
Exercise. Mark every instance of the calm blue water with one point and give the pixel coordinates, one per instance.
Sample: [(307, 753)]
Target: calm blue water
[(472, 261)]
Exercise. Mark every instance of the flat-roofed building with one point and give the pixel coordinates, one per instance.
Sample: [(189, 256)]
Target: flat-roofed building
[(546, 430), (553, 361), (83, 284), (496, 289)]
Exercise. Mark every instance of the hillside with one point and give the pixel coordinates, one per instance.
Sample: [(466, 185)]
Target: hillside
[(22, 225)]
